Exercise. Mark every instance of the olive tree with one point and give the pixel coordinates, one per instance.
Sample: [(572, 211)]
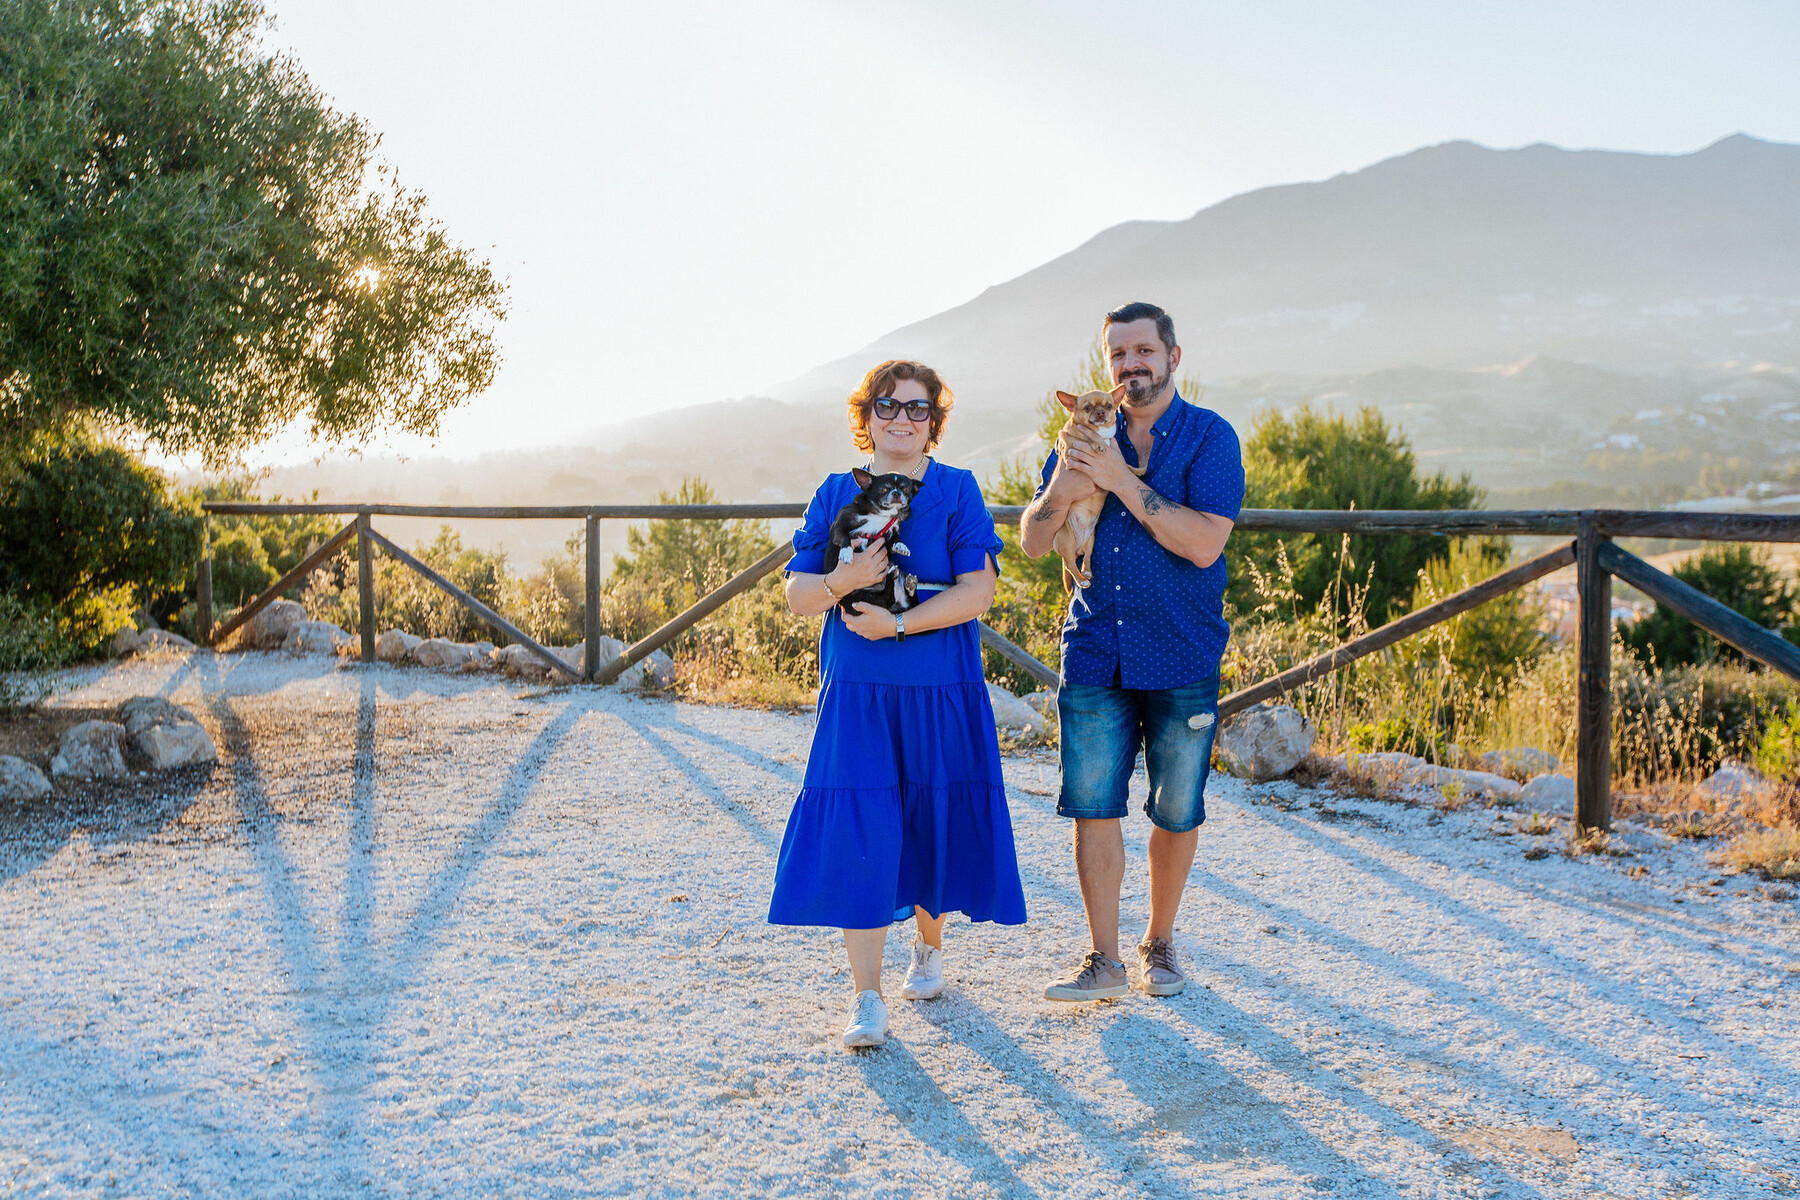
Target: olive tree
[(200, 250)]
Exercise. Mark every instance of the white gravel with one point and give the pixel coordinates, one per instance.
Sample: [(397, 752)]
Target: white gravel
[(428, 935)]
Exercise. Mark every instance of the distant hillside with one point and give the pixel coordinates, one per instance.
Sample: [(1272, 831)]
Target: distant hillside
[(1621, 327), (1455, 256)]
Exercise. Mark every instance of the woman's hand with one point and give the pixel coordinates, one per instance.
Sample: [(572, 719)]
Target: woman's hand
[(869, 621), (866, 568)]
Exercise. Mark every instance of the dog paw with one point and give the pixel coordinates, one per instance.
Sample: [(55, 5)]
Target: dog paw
[(899, 548), (846, 556)]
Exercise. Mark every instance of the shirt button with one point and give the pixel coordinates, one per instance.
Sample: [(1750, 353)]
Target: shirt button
[(1118, 622), (1115, 549), (1115, 587)]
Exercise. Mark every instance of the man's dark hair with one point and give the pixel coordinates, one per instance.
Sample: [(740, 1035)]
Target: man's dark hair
[(1140, 311)]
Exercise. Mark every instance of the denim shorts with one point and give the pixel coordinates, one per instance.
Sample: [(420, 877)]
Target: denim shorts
[(1104, 727)]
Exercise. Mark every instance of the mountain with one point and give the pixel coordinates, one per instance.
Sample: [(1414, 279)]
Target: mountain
[(1454, 257), (1567, 326)]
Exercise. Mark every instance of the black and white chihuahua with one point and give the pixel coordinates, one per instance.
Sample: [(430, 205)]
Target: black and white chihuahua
[(872, 517)]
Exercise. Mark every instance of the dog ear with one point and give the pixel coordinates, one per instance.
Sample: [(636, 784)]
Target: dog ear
[(862, 477), (1068, 401), (1119, 392)]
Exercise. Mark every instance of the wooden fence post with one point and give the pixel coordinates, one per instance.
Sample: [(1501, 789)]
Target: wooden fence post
[(365, 586), (1593, 732), (203, 583), (590, 612)]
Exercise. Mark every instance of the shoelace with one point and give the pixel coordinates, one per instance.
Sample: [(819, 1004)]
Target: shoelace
[(1160, 956), (1093, 965), (865, 1008)]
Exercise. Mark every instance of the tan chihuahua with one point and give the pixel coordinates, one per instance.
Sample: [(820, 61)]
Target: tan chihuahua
[(1093, 420)]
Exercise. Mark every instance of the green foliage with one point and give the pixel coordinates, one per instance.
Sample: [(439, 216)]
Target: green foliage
[(1778, 750), (1498, 639), (404, 599), (285, 539), (192, 248), (30, 646), (1740, 577), (88, 532), (671, 564), (1321, 459), (241, 570)]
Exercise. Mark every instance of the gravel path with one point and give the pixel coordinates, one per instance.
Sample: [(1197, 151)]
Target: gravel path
[(420, 935)]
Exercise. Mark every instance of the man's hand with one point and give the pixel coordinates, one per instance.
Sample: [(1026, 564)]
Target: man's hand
[(869, 621), (1104, 466), (1067, 485)]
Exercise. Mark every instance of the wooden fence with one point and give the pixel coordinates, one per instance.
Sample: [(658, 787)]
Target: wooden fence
[(1592, 550)]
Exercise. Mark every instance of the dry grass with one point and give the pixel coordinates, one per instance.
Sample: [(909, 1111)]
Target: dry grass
[(1771, 853)]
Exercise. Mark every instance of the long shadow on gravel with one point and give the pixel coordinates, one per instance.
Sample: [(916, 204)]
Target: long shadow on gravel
[(1594, 982), (919, 1104), (344, 1010), (703, 783), (112, 816)]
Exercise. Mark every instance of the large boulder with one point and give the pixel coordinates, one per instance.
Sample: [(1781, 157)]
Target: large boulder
[(316, 637), (1264, 742), (1043, 703), (124, 642), (166, 734), (19, 780), (1011, 714), (1549, 794), (175, 745), (269, 629), (396, 645), (161, 639), (91, 750), (141, 712), (1519, 762)]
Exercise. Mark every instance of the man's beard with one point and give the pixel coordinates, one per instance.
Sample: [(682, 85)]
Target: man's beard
[(1138, 389)]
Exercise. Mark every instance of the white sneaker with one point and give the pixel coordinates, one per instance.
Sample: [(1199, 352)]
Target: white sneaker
[(868, 1021), (925, 977)]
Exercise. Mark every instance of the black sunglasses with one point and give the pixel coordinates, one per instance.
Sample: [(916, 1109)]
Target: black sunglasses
[(887, 408)]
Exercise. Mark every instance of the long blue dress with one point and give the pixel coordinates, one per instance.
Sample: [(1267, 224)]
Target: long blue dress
[(903, 801)]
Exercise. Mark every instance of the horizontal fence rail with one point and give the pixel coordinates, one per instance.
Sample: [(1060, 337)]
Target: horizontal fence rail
[(1592, 552)]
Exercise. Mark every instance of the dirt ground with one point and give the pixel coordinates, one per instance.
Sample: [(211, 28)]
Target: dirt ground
[(428, 935)]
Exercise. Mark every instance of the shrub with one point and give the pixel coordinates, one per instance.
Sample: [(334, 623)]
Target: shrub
[(1740, 577), (30, 646), (1316, 459), (87, 532)]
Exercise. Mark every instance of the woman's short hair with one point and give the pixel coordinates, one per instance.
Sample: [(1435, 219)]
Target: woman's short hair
[(880, 382)]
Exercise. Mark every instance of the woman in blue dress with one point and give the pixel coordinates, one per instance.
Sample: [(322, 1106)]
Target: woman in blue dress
[(903, 810)]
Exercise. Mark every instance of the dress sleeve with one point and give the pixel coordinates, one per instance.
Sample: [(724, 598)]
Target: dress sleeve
[(973, 539), (813, 535), (1215, 482)]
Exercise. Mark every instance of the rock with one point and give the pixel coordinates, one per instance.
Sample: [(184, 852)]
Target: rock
[(1388, 764), (1264, 742), (91, 750), (1466, 783), (175, 745), (1549, 794), (124, 643), (395, 645), (657, 670), (1043, 703), (1520, 762), (1733, 781), (19, 780), (441, 654), (484, 655), (316, 637), (269, 629), (520, 662), (161, 639), (1011, 714), (141, 712)]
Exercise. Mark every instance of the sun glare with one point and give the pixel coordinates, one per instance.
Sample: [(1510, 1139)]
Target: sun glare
[(367, 277)]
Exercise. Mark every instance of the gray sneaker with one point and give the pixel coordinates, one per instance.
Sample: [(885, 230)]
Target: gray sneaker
[(1099, 978), (1162, 973)]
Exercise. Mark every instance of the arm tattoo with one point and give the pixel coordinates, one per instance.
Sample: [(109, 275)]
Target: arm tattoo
[(1045, 513), (1154, 503)]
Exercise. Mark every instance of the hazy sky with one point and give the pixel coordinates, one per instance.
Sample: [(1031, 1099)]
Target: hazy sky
[(694, 201)]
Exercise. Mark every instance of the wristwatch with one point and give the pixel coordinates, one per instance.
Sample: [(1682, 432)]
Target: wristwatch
[(899, 627)]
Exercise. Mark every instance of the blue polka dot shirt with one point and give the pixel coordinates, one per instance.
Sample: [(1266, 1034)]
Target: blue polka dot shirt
[(1150, 618)]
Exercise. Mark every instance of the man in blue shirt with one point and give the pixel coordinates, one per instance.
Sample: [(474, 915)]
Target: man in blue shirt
[(1142, 642)]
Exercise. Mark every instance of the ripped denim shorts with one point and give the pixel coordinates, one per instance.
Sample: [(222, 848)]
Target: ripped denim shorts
[(1103, 728)]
